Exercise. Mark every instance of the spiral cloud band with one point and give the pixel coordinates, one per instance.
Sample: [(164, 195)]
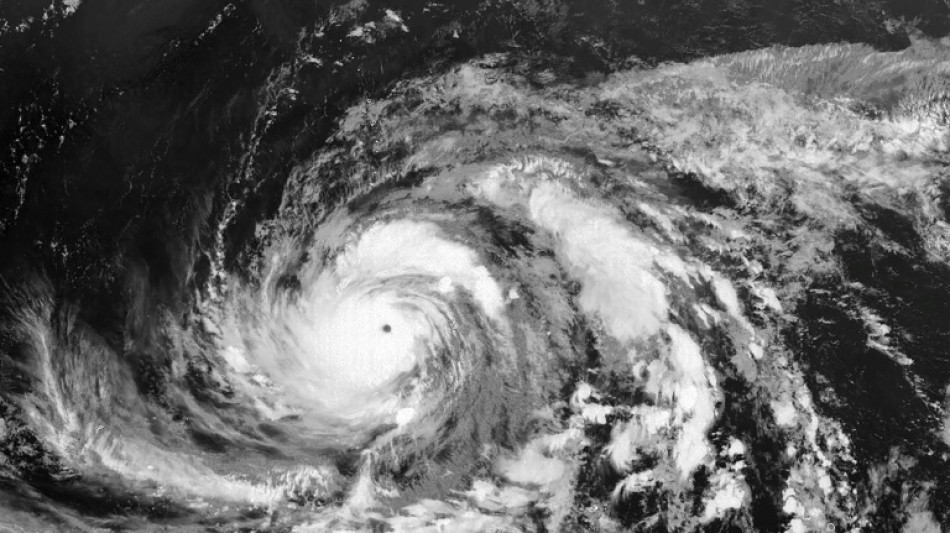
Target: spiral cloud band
[(498, 302)]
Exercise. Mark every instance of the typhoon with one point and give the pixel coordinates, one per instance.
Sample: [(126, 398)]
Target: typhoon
[(696, 296)]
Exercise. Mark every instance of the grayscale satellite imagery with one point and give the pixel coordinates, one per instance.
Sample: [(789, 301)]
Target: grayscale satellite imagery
[(306, 266)]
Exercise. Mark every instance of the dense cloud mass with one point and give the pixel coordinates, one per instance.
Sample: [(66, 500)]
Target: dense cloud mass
[(480, 266)]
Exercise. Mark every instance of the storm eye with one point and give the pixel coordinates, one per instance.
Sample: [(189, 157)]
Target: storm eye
[(387, 328)]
